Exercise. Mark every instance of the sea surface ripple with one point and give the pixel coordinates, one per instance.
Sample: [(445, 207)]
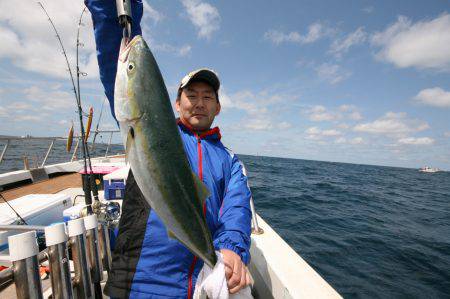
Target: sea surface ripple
[(370, 231)]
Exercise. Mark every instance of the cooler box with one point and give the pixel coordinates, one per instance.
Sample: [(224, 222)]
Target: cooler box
[(114, 183), (35, 209)]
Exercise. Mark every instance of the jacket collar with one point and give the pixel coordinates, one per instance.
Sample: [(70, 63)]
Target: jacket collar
[(211, 134)]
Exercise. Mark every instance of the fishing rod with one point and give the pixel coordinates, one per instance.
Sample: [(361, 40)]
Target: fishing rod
[(86, 179), (93, 185)]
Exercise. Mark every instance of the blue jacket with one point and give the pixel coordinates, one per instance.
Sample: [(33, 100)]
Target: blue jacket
[(146, 263)]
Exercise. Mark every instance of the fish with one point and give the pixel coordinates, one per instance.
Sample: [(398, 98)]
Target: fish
[(155, 150), (69, 139), (89, 124)]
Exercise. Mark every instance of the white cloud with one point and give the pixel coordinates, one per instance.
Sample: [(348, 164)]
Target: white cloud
[(3, 112), (18, 106), (257, 107), (284, 125), (315, 32), (315, 133), (342, 45), (392, 124), (356, 140), (34, 118), (331, 132), (204, 16), (29, 42), (424, 44), (320, 113), (332, 73), (447, 134), (151, 13), (416, 141), (179, 51), (434, 97), (51, 99), (368, 9), (353, 141), (259, 124), (340, 140)]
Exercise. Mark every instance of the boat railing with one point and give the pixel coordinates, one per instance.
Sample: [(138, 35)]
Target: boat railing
[(52, 140)]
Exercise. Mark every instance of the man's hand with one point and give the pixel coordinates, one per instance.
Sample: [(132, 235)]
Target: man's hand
[(236, 272)]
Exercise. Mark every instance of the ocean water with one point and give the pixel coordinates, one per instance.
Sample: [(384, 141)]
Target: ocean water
[(35, 151), (370, 231)]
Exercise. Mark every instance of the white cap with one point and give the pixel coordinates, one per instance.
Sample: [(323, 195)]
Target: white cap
[(76, 227), (202, 74), (22, 246), (90, 221), (55, 234)]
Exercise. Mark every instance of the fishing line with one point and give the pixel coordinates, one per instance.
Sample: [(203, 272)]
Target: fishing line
[(17, 214), (98, 123)]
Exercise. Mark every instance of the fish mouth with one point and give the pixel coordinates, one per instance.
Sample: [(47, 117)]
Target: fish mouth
[(126, 46)]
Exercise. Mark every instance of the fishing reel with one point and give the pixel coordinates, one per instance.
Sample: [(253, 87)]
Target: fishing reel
[(107, 212)]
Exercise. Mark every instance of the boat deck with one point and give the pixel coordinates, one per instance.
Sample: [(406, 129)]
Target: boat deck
[(50, 186)]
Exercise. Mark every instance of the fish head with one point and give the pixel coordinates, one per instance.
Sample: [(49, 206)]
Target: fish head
[(128, 86)]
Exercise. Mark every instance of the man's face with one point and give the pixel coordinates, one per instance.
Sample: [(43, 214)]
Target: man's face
[(198, 106)]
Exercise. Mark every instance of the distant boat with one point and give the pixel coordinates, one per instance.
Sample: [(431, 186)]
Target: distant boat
[(429, 169)]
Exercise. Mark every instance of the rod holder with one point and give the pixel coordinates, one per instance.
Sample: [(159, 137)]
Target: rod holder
[(58, 256), (105, 248), (91, 224), (82, 282), (23, 251)]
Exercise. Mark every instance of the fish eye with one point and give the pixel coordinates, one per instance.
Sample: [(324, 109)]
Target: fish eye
[(130, 66)]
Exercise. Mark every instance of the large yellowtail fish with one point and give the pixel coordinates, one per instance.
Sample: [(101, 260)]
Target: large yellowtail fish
[(155, 150)]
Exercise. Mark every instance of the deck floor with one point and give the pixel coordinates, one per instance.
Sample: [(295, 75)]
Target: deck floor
[(50, 186)]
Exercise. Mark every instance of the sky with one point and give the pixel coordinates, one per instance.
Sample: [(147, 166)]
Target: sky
[(364, 82)]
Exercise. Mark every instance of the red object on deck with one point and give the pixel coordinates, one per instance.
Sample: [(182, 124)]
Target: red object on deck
[(100, 169)]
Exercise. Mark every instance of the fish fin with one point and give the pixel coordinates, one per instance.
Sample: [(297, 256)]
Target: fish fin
[(201, 188)]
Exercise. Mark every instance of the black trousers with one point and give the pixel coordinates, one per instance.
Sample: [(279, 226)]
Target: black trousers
[(132, 226)]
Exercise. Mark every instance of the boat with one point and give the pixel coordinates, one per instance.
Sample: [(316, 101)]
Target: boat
[(277, 270), (429, 169)]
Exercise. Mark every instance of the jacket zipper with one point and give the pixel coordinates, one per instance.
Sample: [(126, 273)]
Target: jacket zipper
[(200, 174)]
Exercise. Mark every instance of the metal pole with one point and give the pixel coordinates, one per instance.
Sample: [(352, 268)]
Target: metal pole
[(4, 150), (21, 227), (7, 275), (105, 248), (109, 143), (77, 240), (23, 251), (91, 224), (256, 229), (48, 152), (58, 257)]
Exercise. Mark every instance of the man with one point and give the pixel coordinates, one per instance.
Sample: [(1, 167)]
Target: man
[(146, 262)]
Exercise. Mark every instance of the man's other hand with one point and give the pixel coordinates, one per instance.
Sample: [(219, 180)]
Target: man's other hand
[(236, 272)]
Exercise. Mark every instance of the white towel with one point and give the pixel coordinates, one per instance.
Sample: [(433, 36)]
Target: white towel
[(213, 283)]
